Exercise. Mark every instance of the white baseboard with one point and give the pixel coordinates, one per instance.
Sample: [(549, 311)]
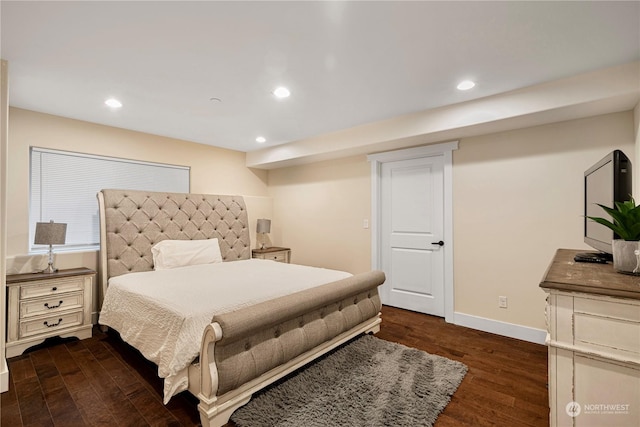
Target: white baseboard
[(4, 376), (510, 330)]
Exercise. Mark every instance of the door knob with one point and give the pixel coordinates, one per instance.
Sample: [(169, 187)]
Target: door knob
[(440, 243)]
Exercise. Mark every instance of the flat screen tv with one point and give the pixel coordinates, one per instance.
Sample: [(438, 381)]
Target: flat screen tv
[(606, 182)]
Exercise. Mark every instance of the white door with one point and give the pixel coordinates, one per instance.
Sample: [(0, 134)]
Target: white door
[(412, 234)]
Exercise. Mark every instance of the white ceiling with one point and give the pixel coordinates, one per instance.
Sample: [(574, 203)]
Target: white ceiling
[(346, 63)]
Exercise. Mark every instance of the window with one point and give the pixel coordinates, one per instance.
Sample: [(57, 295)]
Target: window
[(64, 187)]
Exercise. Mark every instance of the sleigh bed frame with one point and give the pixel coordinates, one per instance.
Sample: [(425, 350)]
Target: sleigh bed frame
[(244, 350)]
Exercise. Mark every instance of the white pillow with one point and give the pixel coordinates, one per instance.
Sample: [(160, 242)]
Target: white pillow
[(181, 253)]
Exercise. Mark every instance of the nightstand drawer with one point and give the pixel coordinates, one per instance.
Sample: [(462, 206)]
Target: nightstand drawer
[(279, 256), (51, 287), (53, 304), (50, 323)]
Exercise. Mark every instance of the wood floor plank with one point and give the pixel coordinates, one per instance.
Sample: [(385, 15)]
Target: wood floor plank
[(33, 407), (184, 407), (119, 405), (62, 407), (464, 415), (92, 410), (10, 413), (21, 367), (144, 400), (121, 375), (102, 381), (152, 410), (506, 410), (509, 386), (496, 396), (180, 406), (143, 369)]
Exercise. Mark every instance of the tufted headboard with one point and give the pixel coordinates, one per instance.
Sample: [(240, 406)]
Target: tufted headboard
[(131, 222)]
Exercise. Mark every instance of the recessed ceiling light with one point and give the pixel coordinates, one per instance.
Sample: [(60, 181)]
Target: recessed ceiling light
[(261, 139), (113, 103), (281, 92), (465, 85)]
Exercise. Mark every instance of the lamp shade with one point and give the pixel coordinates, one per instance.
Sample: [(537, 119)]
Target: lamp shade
[(50, 233), (264, 226)]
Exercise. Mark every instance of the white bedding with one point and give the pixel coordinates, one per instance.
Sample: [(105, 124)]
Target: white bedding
[(163, 313)]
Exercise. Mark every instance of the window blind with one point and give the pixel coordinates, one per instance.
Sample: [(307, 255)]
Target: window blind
[(64, 186)]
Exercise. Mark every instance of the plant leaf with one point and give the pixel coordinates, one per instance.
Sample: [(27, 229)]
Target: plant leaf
[(625, 219)]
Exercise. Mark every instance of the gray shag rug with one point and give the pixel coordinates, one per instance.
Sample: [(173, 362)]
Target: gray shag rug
[(366, 382)]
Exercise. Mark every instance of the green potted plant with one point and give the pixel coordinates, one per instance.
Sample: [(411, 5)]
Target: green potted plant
[(626, 224)]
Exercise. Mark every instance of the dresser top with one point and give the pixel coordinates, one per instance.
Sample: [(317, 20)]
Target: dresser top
[(29, 277), (565, 274)]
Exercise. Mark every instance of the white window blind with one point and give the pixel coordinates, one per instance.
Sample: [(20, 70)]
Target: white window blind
[(64, 187)]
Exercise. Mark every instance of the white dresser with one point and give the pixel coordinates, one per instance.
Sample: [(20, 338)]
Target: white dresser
[(593, 318), (43, 305)]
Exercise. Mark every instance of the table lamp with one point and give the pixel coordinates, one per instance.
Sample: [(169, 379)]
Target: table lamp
[(264, 227), (50, 233)]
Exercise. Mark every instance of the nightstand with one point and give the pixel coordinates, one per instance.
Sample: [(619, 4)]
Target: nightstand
[(273, 254), (43, 305)]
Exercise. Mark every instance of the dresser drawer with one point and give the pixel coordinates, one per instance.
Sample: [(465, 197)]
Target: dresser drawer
[(53, 304), (51, 287), (56, 322), (608, 326)]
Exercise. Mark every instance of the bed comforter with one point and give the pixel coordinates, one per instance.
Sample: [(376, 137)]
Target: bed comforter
[(163, 313)]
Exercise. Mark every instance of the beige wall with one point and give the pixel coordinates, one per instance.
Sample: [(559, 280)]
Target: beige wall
[(213, 170), (517, 197), (319, 211)]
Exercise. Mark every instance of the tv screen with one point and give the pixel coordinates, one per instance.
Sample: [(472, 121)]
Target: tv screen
[(606, 182)]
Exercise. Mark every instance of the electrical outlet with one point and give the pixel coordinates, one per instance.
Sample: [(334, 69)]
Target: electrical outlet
[(502, 302), (365, 223)]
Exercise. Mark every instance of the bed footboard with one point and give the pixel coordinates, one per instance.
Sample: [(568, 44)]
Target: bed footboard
[(245, 350)]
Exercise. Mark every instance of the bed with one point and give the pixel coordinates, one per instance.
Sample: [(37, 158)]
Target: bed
[(236, 346)]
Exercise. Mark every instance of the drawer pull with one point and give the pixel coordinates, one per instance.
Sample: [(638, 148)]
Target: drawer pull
[(46, 304), (55, 288), (53, 324)]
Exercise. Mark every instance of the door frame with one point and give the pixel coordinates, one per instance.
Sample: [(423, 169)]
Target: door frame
[(444, 149)]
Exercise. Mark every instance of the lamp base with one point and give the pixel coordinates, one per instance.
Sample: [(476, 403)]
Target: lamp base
[(263, 241), (50, 269)]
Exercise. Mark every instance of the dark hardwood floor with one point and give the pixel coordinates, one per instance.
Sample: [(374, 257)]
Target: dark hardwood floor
[(102, 381)]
